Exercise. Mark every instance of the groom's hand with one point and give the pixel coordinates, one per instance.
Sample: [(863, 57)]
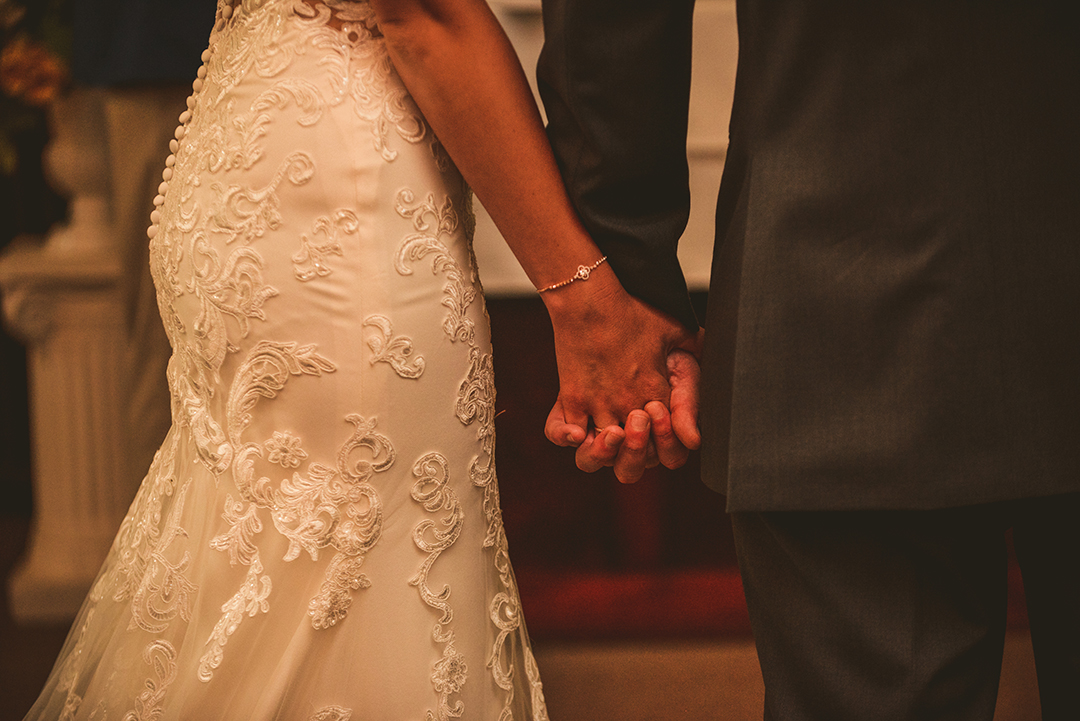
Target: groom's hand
[(684, 375)]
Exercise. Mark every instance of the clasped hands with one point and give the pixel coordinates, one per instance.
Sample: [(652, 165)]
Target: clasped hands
[(628, 386)]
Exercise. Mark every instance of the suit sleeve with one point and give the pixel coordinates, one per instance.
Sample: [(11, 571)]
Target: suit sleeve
[(614, 76)]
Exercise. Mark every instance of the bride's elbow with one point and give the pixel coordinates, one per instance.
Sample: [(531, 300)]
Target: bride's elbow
[(413, 27), (407, 15)]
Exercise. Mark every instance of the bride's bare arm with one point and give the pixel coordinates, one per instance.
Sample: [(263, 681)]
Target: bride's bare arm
[(460, 69), (464, 75)]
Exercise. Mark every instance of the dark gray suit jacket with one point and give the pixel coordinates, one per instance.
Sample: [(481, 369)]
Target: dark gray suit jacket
[(896, 284)]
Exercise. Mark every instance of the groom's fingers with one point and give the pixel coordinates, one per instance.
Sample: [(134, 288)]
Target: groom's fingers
[(633, 456), (669, 449), (685, 376)]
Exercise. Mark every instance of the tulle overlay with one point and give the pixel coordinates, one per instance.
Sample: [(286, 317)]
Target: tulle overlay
[(319, 536)]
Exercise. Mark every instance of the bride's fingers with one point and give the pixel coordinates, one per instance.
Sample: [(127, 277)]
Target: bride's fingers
[(559, 431), (600, 449)]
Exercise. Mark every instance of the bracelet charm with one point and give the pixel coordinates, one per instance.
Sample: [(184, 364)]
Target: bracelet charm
[(583, 273)]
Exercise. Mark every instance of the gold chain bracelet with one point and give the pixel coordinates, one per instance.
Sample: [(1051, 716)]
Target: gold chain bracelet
[(583, 273)]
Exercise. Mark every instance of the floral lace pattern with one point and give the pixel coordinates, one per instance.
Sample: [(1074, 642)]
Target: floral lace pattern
[(431, 490), (160, 655), (304, 201), (284, 449), (309, 261), (397, 351), (459, 293), (332, 713)]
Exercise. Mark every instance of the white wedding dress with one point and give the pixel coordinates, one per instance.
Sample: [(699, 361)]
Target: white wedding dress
[(319, 536)]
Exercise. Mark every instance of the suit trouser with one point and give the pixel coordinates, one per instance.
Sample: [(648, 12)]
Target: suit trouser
[(890, 615)]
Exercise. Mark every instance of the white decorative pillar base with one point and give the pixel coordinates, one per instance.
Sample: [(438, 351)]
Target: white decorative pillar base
[(67, 307)]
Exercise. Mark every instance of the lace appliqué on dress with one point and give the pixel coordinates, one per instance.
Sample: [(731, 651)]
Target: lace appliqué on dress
[(433, 492), (332, 713), (265, 372), (250, 599), (247, 213), (396, 351), (310, 261), (355, 534), (476, 404), (459, 292), (149, 706), (284, 449), (360, 69)]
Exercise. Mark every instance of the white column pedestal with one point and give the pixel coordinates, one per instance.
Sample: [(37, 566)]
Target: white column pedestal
[(66, 306)]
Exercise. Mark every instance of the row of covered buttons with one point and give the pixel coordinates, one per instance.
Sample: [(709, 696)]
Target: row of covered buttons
[(181, 130)]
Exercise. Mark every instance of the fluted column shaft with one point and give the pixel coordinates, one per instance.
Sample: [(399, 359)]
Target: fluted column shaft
[(67, 307)]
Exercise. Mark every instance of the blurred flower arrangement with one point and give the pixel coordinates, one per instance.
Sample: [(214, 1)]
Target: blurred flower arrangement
[(35, 44)]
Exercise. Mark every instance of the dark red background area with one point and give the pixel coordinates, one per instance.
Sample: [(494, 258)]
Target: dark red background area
[(595, 558)]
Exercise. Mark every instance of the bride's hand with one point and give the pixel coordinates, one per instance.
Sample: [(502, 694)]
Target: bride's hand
[(657, 436), (611, 349)]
